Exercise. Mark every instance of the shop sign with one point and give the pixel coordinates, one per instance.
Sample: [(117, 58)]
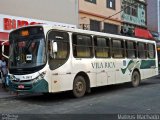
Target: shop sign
[(8, 22)]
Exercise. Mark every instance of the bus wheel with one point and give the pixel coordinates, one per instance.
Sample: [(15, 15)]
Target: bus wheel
[(135, 79), (79, 87)]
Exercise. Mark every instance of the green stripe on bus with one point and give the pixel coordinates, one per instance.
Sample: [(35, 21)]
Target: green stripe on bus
[(142, 64), (146, 64)]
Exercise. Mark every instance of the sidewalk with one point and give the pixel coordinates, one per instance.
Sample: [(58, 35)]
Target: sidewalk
[(4, 93)]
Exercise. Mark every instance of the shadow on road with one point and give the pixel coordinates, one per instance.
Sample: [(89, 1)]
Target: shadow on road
[(66, 96), (44, 98)]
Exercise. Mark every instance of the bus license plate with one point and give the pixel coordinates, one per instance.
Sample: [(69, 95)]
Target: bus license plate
[(21, 86)]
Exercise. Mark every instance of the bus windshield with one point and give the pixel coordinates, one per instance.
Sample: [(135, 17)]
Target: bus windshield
[(27, 52)]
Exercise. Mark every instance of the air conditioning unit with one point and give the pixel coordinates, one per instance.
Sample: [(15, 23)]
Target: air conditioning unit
[(125, 30)]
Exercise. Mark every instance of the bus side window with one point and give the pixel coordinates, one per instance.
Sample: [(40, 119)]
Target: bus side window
[(102, 47), (142, 50), (151, 51), (117, 48), (74, 42), (131, 51), (82, 46), (58, 48)]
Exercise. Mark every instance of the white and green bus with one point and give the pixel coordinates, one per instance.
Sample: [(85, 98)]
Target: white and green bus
[(49, 59)]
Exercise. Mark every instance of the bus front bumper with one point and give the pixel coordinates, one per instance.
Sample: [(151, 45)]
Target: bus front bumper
[(41, 86)]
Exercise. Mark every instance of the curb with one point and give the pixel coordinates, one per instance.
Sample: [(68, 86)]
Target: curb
[(6, 93)]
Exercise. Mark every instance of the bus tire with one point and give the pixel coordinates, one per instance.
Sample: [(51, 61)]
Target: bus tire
[(79, 87), (135, 80)]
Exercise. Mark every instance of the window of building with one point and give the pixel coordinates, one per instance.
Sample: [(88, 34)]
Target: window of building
[(111, 28), (127, 9), (134, 10), (130, 9), (82, 46), (111, 4), (92, 1), (151, 51), (102, 49), (117, 48), (131, 49), (142, 50), (95, 25)]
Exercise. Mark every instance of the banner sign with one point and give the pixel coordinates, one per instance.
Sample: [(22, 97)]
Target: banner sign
[(9, 23)]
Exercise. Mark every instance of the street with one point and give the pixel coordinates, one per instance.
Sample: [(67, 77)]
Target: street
[(116, 99)]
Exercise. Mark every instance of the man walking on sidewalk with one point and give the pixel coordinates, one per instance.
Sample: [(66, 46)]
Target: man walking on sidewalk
[(4, 71)]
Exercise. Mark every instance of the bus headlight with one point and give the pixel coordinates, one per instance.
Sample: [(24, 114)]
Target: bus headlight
[(12, 77)]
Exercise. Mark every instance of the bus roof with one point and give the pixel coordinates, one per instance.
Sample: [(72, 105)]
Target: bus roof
[(76, 30)]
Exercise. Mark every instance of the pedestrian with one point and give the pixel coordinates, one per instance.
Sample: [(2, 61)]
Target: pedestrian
[(4, 71), (0, 70)]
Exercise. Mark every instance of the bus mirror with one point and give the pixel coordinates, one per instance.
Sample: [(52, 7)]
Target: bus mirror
[(54, 47), (3, 43)]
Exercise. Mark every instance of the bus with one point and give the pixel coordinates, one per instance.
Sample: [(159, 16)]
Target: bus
[(49, 59)]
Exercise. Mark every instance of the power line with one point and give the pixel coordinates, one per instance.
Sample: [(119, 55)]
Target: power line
[(85, 26), (120, 11)]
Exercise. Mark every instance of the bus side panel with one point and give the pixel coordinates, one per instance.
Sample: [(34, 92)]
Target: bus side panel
[(85, 65), (105, 71), (124, 69), (62, 78), (148, 68), (62, 82)]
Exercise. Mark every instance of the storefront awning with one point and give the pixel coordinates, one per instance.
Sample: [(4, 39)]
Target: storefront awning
[(4, 37)]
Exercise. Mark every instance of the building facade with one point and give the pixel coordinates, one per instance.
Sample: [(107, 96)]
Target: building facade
[(112, 16), (100, 15), (153, 15), (133, 14), (63, 11), (18, 13)]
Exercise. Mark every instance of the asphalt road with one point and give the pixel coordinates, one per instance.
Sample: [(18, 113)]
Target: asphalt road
[(104, 102)]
